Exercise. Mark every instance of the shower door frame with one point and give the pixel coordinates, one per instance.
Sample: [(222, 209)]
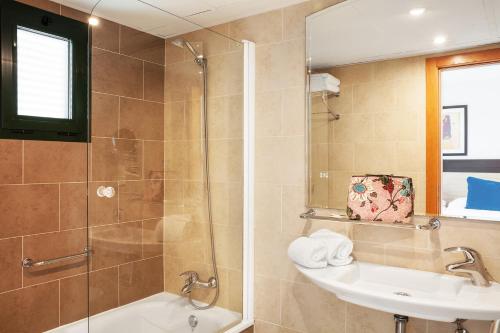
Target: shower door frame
[(248, 186)]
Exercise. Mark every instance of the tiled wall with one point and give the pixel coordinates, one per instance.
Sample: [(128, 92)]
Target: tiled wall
[(285, 301), (381, 129), (43, 194), (187, 238)]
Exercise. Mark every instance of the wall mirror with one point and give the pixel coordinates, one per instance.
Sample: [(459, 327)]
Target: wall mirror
[(403, 96)]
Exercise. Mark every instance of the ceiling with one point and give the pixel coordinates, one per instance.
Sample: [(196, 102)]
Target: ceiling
[(359, 31), (153, 16)]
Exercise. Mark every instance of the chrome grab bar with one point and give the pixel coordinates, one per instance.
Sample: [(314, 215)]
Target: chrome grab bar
[(28, 262), (434, 223)]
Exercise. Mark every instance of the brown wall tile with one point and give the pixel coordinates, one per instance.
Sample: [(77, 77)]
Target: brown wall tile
[(116, 74), (140, 279), (153, 160), (152, 238), (43, 4), (142, 45), (106, 35), (141, 119), (74, 292), (11, 168), (28, 209), (40, 247), (74, 295), (10, 264), (141, 200), (103, 290), (73, 205), (105, 109), (30, 310), (75, 14), (115, 244), (114, 159), (50, 161), (154, 76)]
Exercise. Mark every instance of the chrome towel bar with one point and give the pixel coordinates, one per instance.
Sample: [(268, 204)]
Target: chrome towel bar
[(28, 262), (434, 223)]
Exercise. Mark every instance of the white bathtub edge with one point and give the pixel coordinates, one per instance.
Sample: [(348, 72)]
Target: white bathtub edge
[(243, 325)]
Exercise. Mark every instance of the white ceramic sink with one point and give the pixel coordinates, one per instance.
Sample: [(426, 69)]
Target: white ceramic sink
[(409, 292)]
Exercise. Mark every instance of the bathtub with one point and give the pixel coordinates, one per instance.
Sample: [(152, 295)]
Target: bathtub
[(160, 313)]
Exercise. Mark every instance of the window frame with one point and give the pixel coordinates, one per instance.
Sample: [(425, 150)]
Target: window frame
[(15, 126)]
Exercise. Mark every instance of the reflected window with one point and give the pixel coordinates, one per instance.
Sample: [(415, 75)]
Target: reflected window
[(44, 75)]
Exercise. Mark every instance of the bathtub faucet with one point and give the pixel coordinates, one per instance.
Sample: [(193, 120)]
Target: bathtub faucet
[(193, 282)]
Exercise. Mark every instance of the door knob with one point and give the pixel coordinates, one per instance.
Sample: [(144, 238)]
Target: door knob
[(105, 192)]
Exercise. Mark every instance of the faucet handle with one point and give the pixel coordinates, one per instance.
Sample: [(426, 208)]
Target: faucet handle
[(470, 254), (191, 276)]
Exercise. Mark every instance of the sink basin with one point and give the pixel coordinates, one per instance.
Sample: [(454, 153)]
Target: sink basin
[(408, 292)]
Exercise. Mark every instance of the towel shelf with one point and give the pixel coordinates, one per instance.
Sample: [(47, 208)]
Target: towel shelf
[(433, 224)]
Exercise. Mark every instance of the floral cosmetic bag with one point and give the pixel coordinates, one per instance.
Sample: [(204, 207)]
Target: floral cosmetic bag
[(383, 198)]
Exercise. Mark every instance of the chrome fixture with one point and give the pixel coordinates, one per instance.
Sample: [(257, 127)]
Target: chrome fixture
[(460, 328), (198, 57), (472, 266), (193, 321), (28, 262), (495, 326), (193, 282), (434, 223), (213, 282), (401, 322), (106, 192)]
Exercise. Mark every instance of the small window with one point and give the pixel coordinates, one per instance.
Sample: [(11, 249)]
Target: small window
[(44, 90)]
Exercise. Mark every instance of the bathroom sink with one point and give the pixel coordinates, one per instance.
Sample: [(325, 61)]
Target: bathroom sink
[(408, 292)]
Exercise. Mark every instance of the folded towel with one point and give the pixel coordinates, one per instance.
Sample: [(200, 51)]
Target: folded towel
[(341, 262), (339, 246), (308, 252)]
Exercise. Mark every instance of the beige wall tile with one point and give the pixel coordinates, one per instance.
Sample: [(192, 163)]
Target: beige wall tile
[(307, 308), (251, 28), (267, 299)]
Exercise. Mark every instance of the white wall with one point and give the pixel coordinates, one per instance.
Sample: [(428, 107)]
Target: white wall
[(479, 88)]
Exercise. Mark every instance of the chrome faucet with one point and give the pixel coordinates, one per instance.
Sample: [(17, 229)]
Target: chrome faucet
[(193, 282), (472, 266)]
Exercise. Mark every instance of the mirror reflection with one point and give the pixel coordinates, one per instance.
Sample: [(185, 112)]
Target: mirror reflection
[(403, 109)]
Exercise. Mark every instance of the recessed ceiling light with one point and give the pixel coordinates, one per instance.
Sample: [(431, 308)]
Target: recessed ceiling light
[(417, 11), (438, 40), (93, 21)]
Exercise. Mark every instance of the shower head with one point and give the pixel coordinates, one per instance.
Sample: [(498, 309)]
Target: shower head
[(198, 57)]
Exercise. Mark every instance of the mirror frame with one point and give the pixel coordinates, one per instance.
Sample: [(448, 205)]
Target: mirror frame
[(434, 163)]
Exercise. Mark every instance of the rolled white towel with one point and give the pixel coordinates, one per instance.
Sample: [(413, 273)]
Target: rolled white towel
[(341, 262), (308, 252), (339, 246)]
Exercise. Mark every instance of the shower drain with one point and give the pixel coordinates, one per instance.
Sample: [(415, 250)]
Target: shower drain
[(401, 293)]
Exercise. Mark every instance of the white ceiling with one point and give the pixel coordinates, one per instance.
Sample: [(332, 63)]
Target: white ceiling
[(150, 15), (358, 31)]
